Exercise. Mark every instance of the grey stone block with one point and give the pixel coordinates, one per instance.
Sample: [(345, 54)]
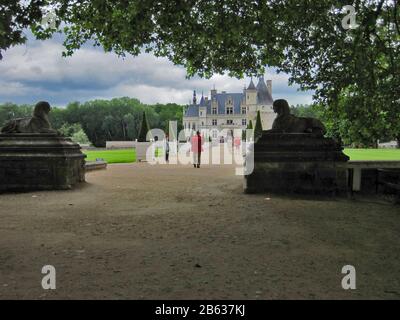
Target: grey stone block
[(297, 163), (32, 161)]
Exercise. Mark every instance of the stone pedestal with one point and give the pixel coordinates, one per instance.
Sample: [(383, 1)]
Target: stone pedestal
[(39, 162), (297, 163)]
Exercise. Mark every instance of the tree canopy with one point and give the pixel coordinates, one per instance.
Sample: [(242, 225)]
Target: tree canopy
[(144, 129), (354, 72)]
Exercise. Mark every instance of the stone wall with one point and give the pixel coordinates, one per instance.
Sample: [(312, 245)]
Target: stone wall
[(120, 144)]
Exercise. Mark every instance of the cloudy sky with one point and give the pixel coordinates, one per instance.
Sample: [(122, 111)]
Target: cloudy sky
[(36, 71)]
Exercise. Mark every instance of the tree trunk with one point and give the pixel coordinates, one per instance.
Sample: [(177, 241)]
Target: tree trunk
[(398, 142), (123, 129)]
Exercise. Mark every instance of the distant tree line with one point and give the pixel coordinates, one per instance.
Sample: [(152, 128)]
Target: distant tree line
[(99, 121)]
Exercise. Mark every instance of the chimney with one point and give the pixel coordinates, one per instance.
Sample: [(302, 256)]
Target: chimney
[(269, 86)]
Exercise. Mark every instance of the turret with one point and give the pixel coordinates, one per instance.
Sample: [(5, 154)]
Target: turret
[(203, 107), (251, 94)]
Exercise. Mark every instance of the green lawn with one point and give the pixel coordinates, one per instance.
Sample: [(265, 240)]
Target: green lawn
[(129, 155), (373, 154), (112, 156)]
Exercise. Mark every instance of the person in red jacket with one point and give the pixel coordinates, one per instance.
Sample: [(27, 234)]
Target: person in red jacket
[(197, 148)]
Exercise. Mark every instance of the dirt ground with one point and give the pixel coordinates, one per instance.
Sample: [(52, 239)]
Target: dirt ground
[(137, 231)]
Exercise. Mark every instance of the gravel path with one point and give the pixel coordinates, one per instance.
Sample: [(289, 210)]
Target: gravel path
[(171, 232)]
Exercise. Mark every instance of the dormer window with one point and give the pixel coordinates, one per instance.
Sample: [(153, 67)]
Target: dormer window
[(244, 110), (214, 110), (229, 110)]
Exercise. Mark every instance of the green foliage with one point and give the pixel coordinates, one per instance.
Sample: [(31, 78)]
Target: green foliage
[(249, 127), (169, 112), (304, 38), (144, 129), (308, 111), (68, 130), (57, 118), (101, 120), (258, 128), (117, 119), (352, 122), (10, 111), (80, 137), (361, 121), (15, 16), (75, 132)]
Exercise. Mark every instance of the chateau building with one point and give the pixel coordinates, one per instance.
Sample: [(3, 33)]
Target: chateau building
[(225, 112)]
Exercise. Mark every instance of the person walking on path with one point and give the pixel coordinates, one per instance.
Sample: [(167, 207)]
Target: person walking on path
[(166, 149), (237, 143), (197, 148)]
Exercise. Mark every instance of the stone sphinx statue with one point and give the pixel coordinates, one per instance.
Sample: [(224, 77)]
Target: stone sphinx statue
[(295, 157), (288, 123), (33, 156), (38, 123)]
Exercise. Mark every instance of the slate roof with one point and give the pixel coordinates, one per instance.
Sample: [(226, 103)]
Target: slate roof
[(193, 110), (202, 101), (223, 97), (251, 86), (263, 97)]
